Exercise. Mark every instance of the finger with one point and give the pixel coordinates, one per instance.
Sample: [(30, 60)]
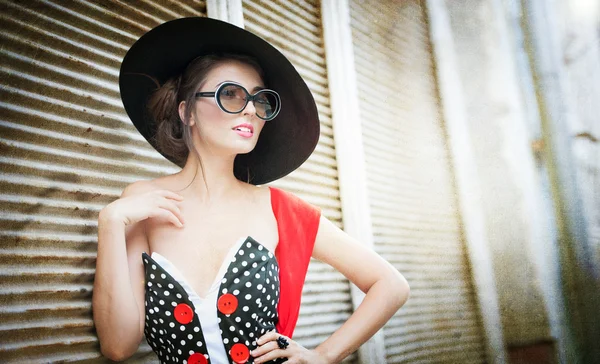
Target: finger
[(263, 349), (272, 355), (171, 206), (167, 215), (170, 194), (269, 336)]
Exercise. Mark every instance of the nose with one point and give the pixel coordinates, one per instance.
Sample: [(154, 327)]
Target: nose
[(249, 109)]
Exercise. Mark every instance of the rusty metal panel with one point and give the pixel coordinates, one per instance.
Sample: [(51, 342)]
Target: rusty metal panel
[(415, 216), (67, 149), (295, 28)]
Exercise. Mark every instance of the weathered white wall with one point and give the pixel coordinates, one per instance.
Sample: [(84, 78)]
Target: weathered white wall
[(579, 30), (512, 195)]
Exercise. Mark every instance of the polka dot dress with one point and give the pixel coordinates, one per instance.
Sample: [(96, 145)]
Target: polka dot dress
[(246, 308)]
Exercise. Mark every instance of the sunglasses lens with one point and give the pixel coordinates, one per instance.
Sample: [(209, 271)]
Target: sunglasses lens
[(232, 98), (266, 104)]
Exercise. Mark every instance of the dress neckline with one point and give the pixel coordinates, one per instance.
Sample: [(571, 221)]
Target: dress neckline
[(172, 269), (223, 268)]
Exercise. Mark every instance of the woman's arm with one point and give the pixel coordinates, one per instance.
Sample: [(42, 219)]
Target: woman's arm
[(386, 289), (118, 299)]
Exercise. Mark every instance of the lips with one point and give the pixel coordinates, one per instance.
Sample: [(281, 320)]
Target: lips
[(244, 128)]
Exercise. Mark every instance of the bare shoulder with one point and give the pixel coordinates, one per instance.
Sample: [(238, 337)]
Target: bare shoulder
[(142, 186)]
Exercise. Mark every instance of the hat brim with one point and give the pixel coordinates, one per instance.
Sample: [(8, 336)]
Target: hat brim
[(284, 143)]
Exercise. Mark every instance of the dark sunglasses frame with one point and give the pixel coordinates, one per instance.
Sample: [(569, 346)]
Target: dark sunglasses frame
[(249, 97)]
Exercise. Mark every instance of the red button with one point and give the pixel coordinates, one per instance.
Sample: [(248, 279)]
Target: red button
[(240, 353), (227, 304), (183, 313), (197, 358)]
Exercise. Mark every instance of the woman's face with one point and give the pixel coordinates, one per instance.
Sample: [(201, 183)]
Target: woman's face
[(220, 132)]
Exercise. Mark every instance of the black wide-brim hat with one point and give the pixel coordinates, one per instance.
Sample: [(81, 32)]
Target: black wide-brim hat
[(164, 52)]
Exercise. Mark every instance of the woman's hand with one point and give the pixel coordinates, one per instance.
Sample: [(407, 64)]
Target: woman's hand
[(160, 204), (268, 349)]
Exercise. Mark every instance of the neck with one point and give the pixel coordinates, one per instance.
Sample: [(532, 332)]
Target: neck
[(214, 181)]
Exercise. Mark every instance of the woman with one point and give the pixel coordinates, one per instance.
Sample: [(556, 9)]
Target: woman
[(228, 258)]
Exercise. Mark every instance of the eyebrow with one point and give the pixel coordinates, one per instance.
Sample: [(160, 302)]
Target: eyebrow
[(255, 89)]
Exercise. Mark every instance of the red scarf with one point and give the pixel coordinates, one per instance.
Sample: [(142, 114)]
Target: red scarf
[(297, 225)]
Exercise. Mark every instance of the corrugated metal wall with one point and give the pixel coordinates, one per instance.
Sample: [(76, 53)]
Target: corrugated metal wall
[(416, 223), (295, 28), (67, 150)]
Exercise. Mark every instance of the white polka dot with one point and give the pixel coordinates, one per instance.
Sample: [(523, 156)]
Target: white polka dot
[(168, 313), (182, 342), (241, 252), (238, 319), (224, 280), (248, 325), (251, 335), (146, 261), (190, 336), (167, 293), (172, 324), (163, 276), (153, 266), (236, 292), (263, 258), (246, 273), (245, 309), (171, 286), (231, 328), (235, 339), (178, 295), (182, 328), (252, 255), (152, 276), (244, 263), (179, 351), (196, 329), (248, 284), (260, 247), (225, 341), (241, 332), (254, 265), (224, 290), (236, 281), (149, 284), (151, 310), (235, 270), (248, 296), (249, 245), (198, 343), (257, 276)]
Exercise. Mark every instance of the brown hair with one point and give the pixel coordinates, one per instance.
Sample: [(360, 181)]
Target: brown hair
[(174, 136)]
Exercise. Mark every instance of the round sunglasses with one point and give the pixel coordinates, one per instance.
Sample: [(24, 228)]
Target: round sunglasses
[(232, 98)]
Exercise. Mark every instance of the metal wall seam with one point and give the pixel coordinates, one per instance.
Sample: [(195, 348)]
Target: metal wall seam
[(326, 298), (416, 223), (68, 149)]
